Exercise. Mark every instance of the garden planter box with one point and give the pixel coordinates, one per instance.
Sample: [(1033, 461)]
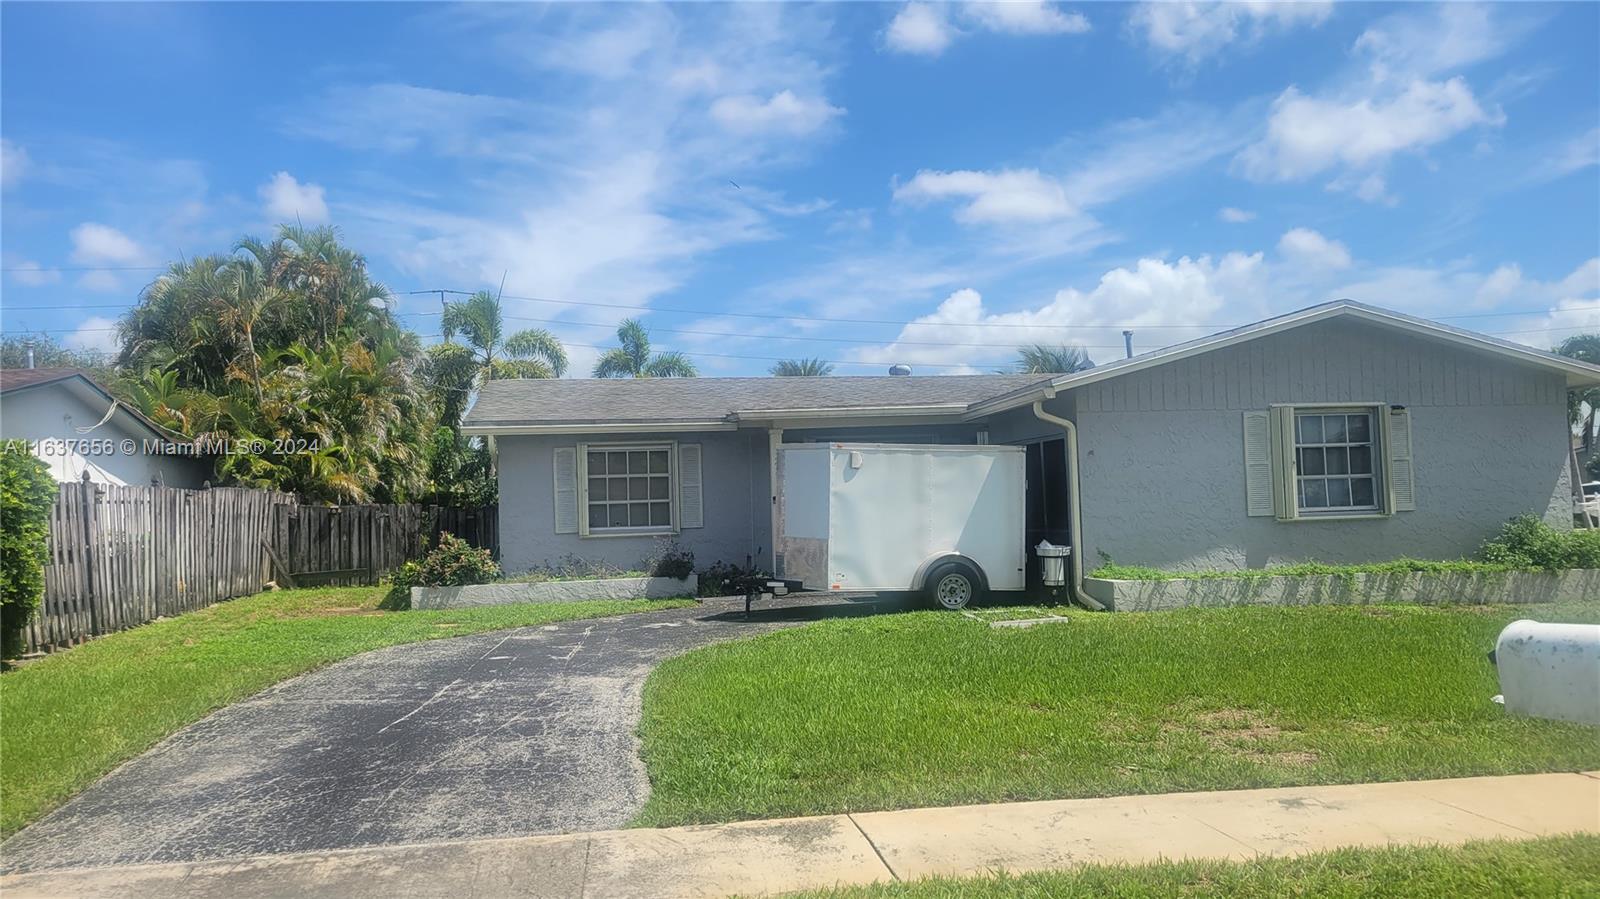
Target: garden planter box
[(553, 591), (1352, 589)]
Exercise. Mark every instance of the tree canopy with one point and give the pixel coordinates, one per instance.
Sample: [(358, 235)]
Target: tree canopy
[(633, 358), (1040, 359), (802, 368)]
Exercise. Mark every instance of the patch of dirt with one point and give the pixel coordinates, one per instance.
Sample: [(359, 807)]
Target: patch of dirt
[(340, 611), (1241, 733)]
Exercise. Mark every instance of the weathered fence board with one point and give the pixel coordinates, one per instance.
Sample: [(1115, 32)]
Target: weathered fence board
[(120, 556)]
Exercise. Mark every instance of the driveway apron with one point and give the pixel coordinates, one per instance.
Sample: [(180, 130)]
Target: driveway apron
[(527, 731)]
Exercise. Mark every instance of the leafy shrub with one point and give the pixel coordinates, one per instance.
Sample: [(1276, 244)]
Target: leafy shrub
[(717, 579), (26, 493), (672, 561), (1527, 542), (453, 563)]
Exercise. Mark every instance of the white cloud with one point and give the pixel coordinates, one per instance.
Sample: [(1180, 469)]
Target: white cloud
[(28, 273), (1235, 216), (1304, 246), (1310, 135), (782, 113), (1575, 155), (1435, 39), (928, 29), (97, 244), (288, 200), (1025, 17), (14, 163), (1001, 197), (1192, 32), (919, 28), (96, 333), (1190, 291)]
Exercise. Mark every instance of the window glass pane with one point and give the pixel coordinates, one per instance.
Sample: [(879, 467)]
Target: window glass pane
[(1360, 428), (616, 463), (1361, 460), (597, 515), (658, 488), (597, 463), (639, 514), (638, 462), (661, 514), (1338, 492), (1311, 461), (1338, 459), (1310, 428), (1316, 493), (618, 515), (658, 461), (597, 488), (1361, 493), (1333, 429), (1301, 490), (638, 488)]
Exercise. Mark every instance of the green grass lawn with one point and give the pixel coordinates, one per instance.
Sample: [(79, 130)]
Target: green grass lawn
[(929, 708), (67, 719), (1552, 866)]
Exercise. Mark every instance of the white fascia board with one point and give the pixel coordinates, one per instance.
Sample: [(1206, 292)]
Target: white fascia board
[(631, 427), (1578, 373), (854, 412)]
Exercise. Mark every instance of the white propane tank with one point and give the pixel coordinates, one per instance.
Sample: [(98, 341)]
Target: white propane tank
[(1550, 670)]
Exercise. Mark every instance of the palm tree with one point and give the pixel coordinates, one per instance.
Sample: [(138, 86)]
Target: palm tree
[(530, 353), (1039, 359), (802, 368), (633, 358), (1584, 348)]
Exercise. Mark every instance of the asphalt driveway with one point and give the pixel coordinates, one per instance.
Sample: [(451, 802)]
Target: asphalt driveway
[(510, 733)]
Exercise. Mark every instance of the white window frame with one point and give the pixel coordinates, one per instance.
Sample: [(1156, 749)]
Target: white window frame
[(1287, 449), (586, 529), (1377, 452)]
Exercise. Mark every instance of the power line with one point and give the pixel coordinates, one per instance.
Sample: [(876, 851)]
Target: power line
[(85, 268)]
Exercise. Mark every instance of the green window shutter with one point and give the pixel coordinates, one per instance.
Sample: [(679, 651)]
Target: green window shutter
[(1402, 483), (1285, 492), (1258, 488), (691, 510), (566, 490)]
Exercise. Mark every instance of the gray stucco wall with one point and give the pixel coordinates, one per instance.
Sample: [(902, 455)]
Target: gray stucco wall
[(1162, 450), (735, 494), (52, 411)]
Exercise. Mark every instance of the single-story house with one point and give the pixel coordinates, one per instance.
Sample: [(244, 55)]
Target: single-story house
[(1342, 433), (76, 426)]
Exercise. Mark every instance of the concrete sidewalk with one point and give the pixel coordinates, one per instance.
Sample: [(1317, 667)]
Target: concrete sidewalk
[(783, 855)]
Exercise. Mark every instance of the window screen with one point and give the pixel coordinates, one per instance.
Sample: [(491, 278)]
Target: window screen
[(629, 488)]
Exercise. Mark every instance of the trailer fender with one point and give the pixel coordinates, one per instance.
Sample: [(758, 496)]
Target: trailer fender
[(920, 580)]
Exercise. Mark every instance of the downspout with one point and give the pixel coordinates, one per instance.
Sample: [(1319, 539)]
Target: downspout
[(1074, 507)]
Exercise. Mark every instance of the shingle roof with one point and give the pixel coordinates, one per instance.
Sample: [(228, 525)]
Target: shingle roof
[(596, 400), (18, 378)]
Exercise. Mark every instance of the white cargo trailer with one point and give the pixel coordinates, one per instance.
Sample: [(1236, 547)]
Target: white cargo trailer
[(945, 520)]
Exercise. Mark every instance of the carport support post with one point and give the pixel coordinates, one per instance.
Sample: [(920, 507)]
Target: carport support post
[(774, 441)]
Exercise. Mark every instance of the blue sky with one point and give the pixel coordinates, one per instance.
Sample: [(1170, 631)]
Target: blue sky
[(955, 178)]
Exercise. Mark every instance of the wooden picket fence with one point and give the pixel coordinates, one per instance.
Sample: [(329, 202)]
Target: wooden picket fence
[(120, 556), (344, 545)]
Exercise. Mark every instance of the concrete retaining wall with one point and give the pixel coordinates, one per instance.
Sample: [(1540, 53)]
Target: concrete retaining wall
[(1356, 589), (553, 591)]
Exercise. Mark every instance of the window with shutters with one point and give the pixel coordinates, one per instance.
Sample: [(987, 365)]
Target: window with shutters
[(1336, 463), (1328, 461), (628, 488)]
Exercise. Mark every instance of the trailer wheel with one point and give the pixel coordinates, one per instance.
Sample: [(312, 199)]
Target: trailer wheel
[(953, 585)]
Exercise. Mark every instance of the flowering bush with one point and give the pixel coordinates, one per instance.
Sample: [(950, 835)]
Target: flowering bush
[(453, 563)]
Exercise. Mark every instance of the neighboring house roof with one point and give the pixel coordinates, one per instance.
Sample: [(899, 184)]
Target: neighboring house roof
[(531, 405), (17, 379), (1578, 374)]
